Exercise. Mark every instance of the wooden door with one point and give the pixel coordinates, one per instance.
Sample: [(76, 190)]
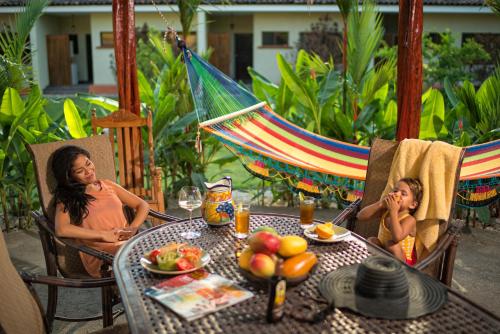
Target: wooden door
[(221, 56), (59, 60)]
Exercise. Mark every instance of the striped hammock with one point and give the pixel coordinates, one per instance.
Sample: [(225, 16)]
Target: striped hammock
[(270, 147)]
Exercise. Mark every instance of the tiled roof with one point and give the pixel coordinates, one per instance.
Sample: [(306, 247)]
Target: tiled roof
[(244, 2)]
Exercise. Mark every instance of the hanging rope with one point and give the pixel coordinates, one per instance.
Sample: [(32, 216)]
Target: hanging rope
[(169, 30)]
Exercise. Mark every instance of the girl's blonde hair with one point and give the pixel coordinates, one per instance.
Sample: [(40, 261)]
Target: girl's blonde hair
[(416, 189)]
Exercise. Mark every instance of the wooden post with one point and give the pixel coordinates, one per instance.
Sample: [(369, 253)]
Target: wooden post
[(409, 80), (125, 45)]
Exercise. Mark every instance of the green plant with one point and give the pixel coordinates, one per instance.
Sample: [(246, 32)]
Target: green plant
[(364, 37), (476, 112), (345, 7), (444, 59), (187, 9), (315, 86), (494, 5), (15, 69), (22, 120)]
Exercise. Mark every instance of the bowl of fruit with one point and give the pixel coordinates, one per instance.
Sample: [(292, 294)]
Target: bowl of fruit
[(268, 252), (175, 258)]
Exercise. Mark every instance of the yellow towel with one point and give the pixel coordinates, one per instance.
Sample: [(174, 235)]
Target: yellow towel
[(435, 164)]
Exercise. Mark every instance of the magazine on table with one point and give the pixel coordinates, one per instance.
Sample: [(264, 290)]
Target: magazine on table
[(196, 294)]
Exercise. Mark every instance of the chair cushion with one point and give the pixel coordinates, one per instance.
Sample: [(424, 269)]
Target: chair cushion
[(379, 165), (101, 154), (19, 312)]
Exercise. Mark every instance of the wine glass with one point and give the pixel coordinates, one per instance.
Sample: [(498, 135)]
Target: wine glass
[(190, 199)]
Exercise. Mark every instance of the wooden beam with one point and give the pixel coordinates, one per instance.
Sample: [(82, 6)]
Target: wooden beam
[(409, 80), (125, 46)]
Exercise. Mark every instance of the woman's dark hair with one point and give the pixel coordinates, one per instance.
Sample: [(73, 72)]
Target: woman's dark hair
[(68, 191)]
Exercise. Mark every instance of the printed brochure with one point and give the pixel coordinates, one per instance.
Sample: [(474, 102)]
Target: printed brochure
[(196, 294)]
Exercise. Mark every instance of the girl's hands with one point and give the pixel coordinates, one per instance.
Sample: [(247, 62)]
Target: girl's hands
[(392, 202)]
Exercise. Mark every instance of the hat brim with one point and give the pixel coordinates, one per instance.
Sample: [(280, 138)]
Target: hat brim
[(425, 296)]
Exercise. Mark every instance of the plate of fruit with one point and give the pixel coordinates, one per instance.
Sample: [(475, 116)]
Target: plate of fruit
[(174, 259), (327, 233), (268, 252)]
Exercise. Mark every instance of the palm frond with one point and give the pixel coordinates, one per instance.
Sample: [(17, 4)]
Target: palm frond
[(12, 75), (364, 37), (15, 70), (13, 43), (375, 80), (345, 7), (488, 100), (187, 9)]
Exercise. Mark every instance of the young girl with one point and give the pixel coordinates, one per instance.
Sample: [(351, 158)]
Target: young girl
[(397, 227), (91, 210)]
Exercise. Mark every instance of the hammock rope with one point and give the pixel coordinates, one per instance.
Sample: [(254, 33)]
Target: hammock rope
[(272, 148)]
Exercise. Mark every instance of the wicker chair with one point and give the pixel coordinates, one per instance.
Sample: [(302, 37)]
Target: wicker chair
[(62, 254), (440, 262), (21, 310)]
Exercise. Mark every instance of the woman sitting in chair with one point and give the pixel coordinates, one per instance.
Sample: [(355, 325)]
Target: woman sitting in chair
[(398, 227), (89, 209)]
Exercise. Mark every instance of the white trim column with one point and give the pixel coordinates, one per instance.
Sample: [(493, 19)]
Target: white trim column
[(201, 32), (35, 65)]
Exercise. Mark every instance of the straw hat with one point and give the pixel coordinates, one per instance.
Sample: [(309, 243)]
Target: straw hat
[(382, 287)]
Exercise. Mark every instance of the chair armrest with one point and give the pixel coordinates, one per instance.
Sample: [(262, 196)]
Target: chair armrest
[(348, 212), (106, 257), (162, 216), (45, 224), (452, 233), (67, 282)]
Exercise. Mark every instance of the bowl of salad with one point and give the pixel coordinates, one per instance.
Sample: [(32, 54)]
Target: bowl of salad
[(174, 259)]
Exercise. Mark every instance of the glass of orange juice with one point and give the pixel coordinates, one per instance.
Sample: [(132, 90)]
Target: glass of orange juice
[(242, 215), (307, 205)]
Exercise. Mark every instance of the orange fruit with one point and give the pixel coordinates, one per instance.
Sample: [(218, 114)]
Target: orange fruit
[(292, 245), (324, 231), (244, 259)]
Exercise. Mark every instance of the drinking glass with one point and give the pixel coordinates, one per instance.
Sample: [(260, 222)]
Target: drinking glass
[(190, 199), (242, 215), (306, 211)]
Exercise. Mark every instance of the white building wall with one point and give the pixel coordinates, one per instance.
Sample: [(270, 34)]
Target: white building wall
[(103, 57), (80, 26), (264, 58), (295, 23), (46, 25)]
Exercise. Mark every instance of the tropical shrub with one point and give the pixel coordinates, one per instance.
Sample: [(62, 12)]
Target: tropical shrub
[(22, 117), (444, 59), (168, 96), (22, 121)]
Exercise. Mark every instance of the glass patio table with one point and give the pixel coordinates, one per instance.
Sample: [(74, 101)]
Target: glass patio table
[(145, 315)]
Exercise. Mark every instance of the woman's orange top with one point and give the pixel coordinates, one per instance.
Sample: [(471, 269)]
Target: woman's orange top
[(105, 214), (385, 235)]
